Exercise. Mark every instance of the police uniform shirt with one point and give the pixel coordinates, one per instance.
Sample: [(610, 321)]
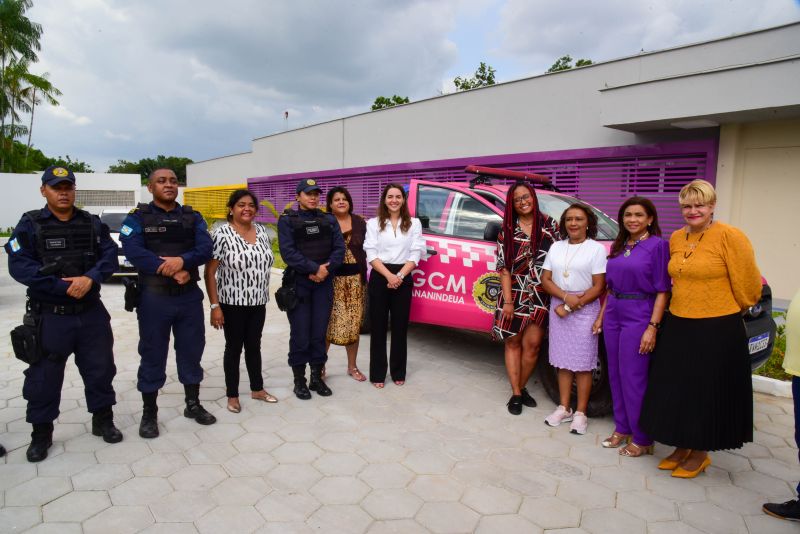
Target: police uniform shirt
[(147, 262), (294, 258), (24, 261)]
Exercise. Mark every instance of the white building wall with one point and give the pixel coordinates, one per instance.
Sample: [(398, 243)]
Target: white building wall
[(21, 192), (220, 171)]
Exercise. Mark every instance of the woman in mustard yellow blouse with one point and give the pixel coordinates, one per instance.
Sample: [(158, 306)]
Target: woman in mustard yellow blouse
[(699, 396)]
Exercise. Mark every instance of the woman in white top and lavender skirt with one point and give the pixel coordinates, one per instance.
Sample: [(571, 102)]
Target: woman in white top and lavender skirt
[(574, 275), (394, 246)]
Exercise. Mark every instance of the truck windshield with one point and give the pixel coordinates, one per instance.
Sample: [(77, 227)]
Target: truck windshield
[(554, 206), (113, 220)]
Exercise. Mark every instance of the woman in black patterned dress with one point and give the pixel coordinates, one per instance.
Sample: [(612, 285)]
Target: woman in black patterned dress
[(522, 306), (237, 282)]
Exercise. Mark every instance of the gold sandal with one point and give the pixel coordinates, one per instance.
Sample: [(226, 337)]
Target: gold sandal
[(638, 450), (616, 440), (356, 374), (263, 396), (233, 405)]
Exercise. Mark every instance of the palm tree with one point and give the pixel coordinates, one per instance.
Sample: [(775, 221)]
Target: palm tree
[(19, 39), (15, 82), (47, 91)]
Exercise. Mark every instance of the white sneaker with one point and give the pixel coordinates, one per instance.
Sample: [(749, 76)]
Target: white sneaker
[(560, 415), (579, 423)]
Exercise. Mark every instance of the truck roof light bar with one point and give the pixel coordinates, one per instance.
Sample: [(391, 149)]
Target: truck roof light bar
[(485, 172)]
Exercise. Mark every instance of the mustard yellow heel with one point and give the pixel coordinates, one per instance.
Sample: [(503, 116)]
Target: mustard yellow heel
[(680, 472)]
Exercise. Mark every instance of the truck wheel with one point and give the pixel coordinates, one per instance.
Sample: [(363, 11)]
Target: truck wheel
[(599, 399)]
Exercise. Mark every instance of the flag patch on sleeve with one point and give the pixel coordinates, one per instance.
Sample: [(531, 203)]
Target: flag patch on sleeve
[(126, 230), (14, 245)]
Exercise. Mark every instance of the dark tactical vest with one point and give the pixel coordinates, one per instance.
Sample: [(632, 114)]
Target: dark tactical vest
[(66, 248), (312, 237), (167, 234)]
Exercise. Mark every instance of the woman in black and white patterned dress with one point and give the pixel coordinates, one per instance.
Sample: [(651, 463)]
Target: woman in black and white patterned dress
[(237, 280)]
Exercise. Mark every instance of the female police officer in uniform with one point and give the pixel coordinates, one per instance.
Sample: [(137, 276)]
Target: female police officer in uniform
[(63, 254), (312, 246)]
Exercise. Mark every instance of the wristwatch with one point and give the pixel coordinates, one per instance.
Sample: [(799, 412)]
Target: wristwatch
[(214, 306), (400, 276)]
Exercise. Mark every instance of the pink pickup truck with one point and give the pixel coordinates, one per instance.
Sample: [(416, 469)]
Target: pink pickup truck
[(456, 284)]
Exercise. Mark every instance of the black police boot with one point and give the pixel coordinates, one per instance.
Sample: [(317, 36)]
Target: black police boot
[(148, 426), (316, 383), (41, 439), (103, 425), (300, 387), (193, 409), (2, 451)]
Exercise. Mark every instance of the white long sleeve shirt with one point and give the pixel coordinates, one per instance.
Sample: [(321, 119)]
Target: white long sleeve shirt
[(392, 246)]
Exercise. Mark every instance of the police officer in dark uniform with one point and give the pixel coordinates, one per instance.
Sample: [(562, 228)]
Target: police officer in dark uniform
[(312, 246), (167, 242), (63, 254)]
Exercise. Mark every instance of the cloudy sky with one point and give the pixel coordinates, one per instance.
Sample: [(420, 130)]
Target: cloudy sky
[(201, 79)]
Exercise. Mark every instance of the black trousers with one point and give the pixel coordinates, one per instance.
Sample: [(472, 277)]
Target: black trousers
[(88, 335), (386, 304), (243, 326)]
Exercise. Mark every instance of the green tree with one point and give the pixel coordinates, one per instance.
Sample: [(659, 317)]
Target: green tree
[(74, 165), (383, 102), (19, 42), (483, 76), (565, 63), (47, 92), (145, 166)]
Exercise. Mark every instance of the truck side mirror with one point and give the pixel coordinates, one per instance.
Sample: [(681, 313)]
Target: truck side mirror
[(425, 221), (492, 230)]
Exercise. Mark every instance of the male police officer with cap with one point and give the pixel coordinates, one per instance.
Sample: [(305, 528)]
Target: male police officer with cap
[(167, 242), (312, 246), (63, 254)]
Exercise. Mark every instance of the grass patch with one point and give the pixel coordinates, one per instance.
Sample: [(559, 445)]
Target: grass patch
[(773, 367)]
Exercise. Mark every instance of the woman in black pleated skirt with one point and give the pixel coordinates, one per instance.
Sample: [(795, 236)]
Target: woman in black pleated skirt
[(700, 396)]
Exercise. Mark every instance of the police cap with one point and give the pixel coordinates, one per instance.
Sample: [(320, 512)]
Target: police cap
[(307, 185), (56, 174)]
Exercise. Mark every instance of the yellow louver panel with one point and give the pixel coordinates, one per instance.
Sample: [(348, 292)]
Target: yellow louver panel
[(210, 201)]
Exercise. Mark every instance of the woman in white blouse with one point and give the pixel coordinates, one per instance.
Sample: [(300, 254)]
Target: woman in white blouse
[(574, 275), (237, 282), (394, 246)]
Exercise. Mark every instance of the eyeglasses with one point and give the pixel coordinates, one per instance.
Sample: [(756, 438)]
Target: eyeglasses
[(523, 198)]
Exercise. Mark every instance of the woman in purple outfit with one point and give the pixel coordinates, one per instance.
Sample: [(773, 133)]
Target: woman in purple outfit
[(638, 290)]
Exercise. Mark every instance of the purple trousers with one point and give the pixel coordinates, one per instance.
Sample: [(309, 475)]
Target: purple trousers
[(623, 325)]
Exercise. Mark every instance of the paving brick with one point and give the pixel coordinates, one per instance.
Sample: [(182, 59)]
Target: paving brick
[(120, 520), (387, 504), (443, 517), (550, 512)]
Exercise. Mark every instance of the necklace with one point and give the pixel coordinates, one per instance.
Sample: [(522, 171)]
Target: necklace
[(690, 248), (568, 260), (628, 249)]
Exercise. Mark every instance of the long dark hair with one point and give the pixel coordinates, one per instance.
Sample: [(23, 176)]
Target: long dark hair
[(342, 190), (236, 196), (624, 234), (510, 221), (383, 211), (591, 220)]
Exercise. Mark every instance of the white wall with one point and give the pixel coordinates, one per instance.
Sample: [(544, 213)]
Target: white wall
[(21, 191), (220, 171)]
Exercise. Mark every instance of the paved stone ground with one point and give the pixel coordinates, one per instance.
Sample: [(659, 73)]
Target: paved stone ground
[(440, 454)]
